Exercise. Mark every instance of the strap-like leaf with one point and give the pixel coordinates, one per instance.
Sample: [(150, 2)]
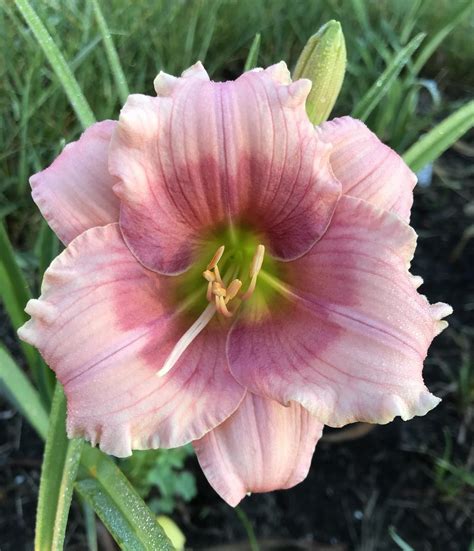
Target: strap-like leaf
[(440, 138), (58, 63), (382, 85), (58, 474), (14, 294), (18, 390), (112, 56), (252, 57), (437, 38), (131, 523)]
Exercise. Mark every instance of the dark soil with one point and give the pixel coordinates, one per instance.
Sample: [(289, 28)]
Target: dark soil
[(356, 490)]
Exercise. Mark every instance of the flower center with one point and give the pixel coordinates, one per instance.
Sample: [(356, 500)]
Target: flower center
[(231, 277), (220, 294)]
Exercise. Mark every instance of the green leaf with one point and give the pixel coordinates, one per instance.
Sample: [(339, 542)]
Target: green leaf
[(16, 387), (47, 247), (435, 40), (91, 526), (15, 293), (382, 85), (359, 7), (173, 532), (58, 63), (252, 57), (440, 138), (58, 473), (112, 56), (402, 544), (12, 277), (131, 523)]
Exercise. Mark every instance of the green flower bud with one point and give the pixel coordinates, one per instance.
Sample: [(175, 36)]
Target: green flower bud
[(323, 61)]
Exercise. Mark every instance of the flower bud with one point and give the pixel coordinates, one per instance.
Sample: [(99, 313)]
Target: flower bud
[(323, 61)]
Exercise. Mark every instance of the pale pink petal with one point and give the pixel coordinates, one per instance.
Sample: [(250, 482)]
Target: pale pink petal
[(367, 168), (350, 345), (202, 154), (75, 192), (103, 325), (263, 446)]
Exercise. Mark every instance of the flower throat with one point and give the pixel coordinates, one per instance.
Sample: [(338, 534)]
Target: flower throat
[(239, 272)]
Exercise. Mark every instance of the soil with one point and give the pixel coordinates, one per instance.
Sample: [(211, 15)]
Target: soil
[(358, 492)]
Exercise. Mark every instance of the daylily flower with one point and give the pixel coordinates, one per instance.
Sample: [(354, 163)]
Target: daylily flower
[(233, 277)]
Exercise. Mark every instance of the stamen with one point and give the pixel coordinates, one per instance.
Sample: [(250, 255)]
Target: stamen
[(217, 274), (255, 268), (188, 337), (215, 259), (249, 292), (207, 274), (223, 308), (218, 289), (257, 261), (217, 293), (209, 291), (233, 289)]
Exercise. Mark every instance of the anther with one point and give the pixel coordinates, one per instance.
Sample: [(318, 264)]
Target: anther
[(217, 274), (257, 261), (233, 289), (255, 267), (207, 274), (218, 289), (215, 259)]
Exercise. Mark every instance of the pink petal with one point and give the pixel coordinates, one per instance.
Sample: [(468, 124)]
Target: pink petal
[(104, 326), (262, 447), (202, 154), (367, 168), (351, 345), (75, 192)]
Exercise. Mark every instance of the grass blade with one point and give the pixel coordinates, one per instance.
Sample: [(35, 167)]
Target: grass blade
[(112, 56), (377, 91), (440, 138), (131, 523), (14, 294), (91, 527), (18, 390), (360, 10), (19, 287), (58, 474), (409, 21), (435, 40), (47, 247), (252, 58), (402, 544), (58, 63)]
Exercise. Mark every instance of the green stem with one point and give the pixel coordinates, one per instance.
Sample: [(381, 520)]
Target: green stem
[(244, 519)]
